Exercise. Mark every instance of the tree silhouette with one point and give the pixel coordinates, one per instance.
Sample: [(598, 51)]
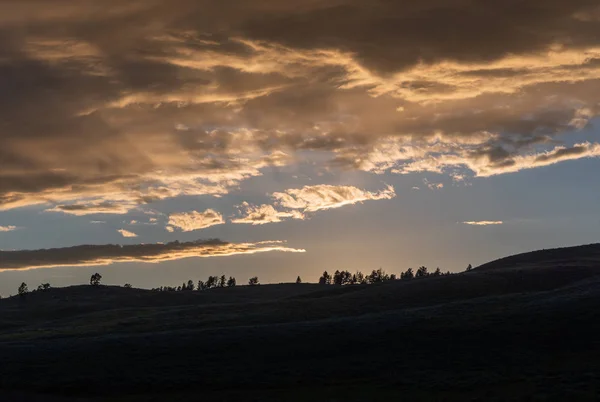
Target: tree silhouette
[(201, 285), (342, 278), (211, 282), (127, 286), (393, 277), (231, 282), (325, 279), (298, 279), (422, 272), (337, 278), (179, 288), (360, 278), (469, 267), (43, 287), (437, 272), (190, 285), (408, 274), (253, 281), (95, 279), (377, 276), (23, 290), (222, 281)]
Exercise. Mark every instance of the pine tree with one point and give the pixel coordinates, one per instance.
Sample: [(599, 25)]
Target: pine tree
[(23, 290), (231, 282)]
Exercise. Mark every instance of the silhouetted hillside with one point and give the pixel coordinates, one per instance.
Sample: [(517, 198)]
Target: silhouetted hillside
[(587, 255), (488, 334)]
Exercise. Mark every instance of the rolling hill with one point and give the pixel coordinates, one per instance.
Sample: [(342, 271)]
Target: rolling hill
[(519, 327), (577, 257)]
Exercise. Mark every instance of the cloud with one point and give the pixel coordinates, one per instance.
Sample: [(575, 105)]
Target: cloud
[(93, 208), (298, 202), (482, 159), (263, 214), (433, 186), (141, 253), (189, 221), (515, 163), (127, 233), (7, 228), (322, 197), (103, 116), (483, 223)]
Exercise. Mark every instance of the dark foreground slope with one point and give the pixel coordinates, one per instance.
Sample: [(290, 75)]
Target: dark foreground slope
[(490, 334)]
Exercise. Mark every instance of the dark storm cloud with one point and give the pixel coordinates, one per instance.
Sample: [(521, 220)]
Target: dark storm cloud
[(108, 105), (390, 35)]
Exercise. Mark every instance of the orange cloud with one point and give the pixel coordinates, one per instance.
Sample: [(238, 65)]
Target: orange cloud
[(107, 122), (263, 214), (189, 221), (126, 233), (321, 197), (483, 223), (141, 253)]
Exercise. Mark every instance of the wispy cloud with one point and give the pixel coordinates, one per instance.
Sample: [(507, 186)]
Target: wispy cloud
[(433, 186), (141, 253), (127, 233), (297, 203), (263, 214), (194, 220), (323, 196), (483, 223), (8, 228), (82, 208)]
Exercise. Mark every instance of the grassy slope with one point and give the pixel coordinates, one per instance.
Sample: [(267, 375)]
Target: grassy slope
[(490, 333)]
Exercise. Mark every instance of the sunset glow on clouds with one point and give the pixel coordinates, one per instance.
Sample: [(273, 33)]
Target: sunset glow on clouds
[(147, 253), (262, 214), (483, 223), (126, 233), (228, 117), (321, 197), (189, 221)]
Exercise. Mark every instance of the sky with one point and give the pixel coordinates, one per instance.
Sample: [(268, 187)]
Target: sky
[(157, 141)]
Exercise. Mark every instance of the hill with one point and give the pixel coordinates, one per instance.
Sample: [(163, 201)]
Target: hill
[(506, 332), (579, 256)]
